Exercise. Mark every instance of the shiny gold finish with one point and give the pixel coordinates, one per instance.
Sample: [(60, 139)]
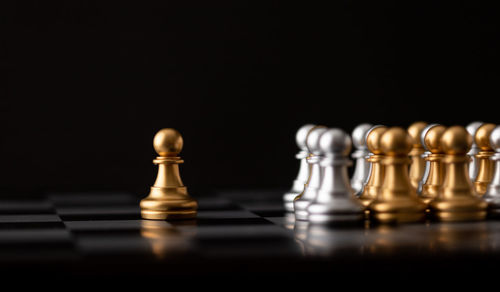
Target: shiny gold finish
[(168, 198), (485, 172), (457, 200), (166, 239), (417, 167), (397, 200), (376, 177), (434, 181)]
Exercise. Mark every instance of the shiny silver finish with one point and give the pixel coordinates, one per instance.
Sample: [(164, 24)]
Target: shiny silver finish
[(335, 201), (424, 155), (303, 175), (492, 195), (362, 167), (300, 205), (473, 165)]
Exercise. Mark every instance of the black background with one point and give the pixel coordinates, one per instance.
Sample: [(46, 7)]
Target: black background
[(89, 83)]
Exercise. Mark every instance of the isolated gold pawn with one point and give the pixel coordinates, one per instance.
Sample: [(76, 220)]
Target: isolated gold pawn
[(417, 167), (457, 200), (376, 176), (435, 179), (485, 172), (397, 200), (168, 198)]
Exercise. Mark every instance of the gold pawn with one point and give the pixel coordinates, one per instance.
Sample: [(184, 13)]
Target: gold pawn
[(417, 167), (168, 198), (376, 177), (434, 181), (397, 200), (485, 172), (457, 200)]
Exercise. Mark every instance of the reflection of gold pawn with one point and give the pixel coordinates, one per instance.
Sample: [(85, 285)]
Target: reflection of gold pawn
[(417, 166), (434, 181), (376, 176), (397, 200), (457, 200), (485, 172), (168, 198)]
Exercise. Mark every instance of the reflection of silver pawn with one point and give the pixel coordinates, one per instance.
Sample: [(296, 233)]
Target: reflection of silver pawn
[(335, 201), (362, 167), (301, 180), (473, 165), (424, 156), (310, 191), (492, 195)]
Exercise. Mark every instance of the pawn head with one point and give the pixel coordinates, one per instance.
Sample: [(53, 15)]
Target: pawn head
[(359, 135), (313, 138), (432, 139), (373, 139), (482, 137), (301, 136), (168, 142), (415, 131), (472, 128), (335, 142), (396, 142), (456, 141), (495, 139)]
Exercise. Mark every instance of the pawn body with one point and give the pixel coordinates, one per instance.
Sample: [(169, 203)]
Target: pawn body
[(417, 167), (303, 175), (376, 175), (485, 164), (362, 166), (397, 200), (303, 201), (457, 200), (335, 201), (473, 165), (168, 198), (492, 196), (435, 177)]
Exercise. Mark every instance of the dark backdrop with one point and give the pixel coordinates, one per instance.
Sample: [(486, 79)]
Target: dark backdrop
[(88, 83)]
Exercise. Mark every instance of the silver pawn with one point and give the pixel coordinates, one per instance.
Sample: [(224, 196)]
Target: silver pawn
[(492, 196), (303, 175), (335, 201), (310, 191), (473, 165), (424, 156), (362, 167)]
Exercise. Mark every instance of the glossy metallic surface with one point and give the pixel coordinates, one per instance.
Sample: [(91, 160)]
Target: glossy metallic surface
[(435, 177), (424, 156), (397, 200), (303, 201), (473, 165), (457, 200), (362, 167), (492, 196), (168, 198), (303, 175), (485, 164), (417, 167), (335, 201), (376, 175)]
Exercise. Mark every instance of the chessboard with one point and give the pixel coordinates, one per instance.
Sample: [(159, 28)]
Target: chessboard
[(241, 232)]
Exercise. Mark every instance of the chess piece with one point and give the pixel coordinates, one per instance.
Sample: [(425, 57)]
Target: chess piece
[(492, 196), (473, 165), (424, 156), (303, 201), (397, 200), (303, 175), (417, 166), (335, 201), (485, 164), (457, 200), (362, 166), (376, 175), (435, 178), (168, 198)]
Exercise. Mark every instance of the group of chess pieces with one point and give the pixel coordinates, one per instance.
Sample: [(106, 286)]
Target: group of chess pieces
[(428, 171)]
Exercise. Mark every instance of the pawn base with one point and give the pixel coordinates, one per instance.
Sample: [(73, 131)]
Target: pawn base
[(460, 216), (463, 209), (398, 217), (288, 199)]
